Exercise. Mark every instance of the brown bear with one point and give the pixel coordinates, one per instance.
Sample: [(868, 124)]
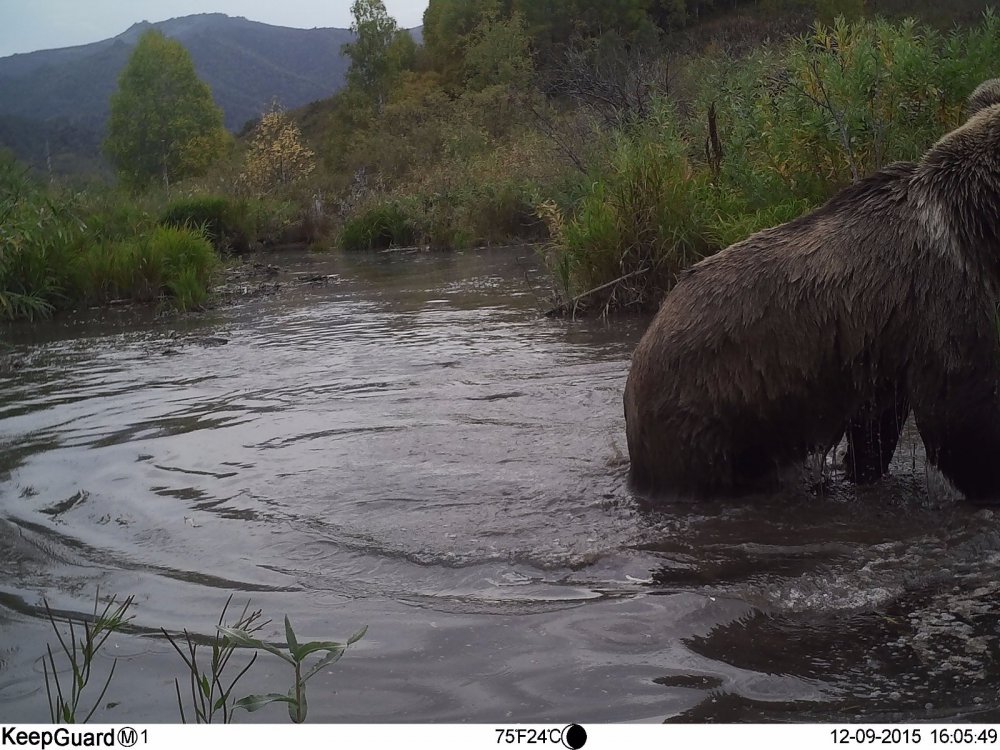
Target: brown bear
[(882, 300)]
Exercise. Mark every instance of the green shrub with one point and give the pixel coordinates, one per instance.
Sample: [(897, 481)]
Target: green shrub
[(499, 212), (725, 228), (442, 221), (227, 223), (385, 225), (275, 221), (800, 122)]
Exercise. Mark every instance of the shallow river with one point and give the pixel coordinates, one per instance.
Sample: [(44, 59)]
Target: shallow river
[(413, 448)]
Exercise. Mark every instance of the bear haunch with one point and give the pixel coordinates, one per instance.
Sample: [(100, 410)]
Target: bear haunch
[(882, 301)]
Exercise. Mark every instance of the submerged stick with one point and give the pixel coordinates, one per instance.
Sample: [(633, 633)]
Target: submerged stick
[(570, 305)]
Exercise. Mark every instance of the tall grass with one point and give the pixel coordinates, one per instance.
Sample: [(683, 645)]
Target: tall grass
[(58, 250), (638, 220), (68, 668), (37, 236), (164, 262)]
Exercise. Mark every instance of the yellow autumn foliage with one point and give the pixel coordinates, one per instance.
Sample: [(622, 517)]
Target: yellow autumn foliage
[(276, 157)]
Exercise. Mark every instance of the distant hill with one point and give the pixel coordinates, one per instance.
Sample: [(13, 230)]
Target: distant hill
[(54, 103)]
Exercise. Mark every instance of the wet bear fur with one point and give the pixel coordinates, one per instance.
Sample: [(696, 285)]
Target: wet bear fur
[(985, 95), (882, 300)]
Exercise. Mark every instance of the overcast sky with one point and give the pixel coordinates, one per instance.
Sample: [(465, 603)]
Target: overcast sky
[(27, 25)]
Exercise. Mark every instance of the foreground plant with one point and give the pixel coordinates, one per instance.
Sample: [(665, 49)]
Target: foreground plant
[(296, 655), (86, 637), (209, 694)]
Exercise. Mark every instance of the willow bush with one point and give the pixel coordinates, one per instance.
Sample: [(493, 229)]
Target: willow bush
[(638, 219), (793, 124)]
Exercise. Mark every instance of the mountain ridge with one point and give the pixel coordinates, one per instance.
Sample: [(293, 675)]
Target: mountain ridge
[(246, 64)]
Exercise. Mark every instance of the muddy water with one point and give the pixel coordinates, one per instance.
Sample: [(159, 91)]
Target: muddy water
[(411, 447)]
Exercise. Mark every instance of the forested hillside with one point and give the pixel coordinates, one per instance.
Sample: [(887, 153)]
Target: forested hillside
[(54, 103)]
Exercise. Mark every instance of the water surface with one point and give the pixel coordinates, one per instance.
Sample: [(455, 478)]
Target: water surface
[(413, 447)]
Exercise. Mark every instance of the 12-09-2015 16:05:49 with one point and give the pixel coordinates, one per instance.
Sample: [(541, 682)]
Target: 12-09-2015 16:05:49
[(896, 736)]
